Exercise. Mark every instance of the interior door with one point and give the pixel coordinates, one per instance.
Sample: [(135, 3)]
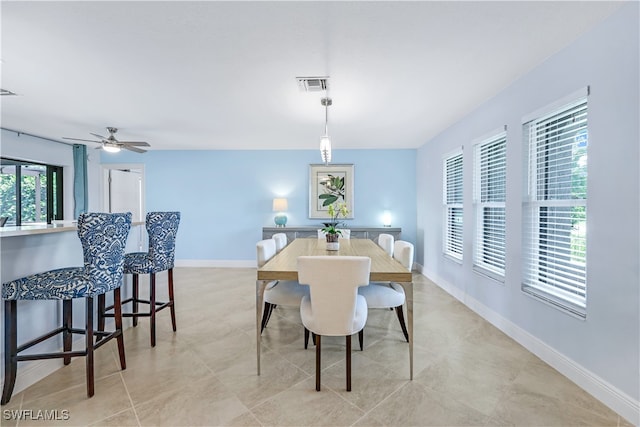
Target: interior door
[(125, 194)]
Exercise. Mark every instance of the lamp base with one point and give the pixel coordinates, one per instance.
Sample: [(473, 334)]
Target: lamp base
[(280, 220)]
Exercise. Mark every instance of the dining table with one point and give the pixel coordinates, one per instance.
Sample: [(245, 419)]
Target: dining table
[(284, 266)]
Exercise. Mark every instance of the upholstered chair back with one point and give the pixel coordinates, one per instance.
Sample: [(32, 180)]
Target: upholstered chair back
[(385, 241), (333, 283), (403, 252), (104, 237), (265, 250), (281, 241), (162, 228)]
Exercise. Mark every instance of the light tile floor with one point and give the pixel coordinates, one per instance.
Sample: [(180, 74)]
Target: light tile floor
[(466, 371)]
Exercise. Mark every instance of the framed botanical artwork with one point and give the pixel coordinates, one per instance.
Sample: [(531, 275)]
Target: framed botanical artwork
[(330, 184)]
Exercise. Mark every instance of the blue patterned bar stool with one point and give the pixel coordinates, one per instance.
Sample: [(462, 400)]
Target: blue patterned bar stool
[(162, 228), (103, 237)]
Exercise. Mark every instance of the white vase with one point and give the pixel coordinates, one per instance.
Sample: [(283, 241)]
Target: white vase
[(333, 246)]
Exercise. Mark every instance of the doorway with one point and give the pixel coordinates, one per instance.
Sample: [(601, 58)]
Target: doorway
[(123, 191)]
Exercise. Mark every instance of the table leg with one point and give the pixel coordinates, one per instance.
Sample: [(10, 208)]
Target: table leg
[(260, 287), (408, 293)]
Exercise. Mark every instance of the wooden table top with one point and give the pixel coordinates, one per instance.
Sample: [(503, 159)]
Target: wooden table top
[(384, 268)]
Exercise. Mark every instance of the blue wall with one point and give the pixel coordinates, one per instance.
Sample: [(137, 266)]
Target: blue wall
[(225, 196)]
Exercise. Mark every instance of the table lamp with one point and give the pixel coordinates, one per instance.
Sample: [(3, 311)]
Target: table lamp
[(280, 205)]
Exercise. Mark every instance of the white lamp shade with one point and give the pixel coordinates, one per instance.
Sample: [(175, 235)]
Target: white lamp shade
[(386, 219), (280, 205)]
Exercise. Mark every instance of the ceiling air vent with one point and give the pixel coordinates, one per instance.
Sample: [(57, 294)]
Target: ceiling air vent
[(6, 92), (312, 84)]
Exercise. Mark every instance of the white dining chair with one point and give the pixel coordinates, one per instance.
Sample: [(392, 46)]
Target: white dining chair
[(279, 292), (385, 241), (281, 241), (333, 307), (391, 295)]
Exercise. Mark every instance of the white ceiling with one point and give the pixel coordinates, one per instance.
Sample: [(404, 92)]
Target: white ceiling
[(221, 75)]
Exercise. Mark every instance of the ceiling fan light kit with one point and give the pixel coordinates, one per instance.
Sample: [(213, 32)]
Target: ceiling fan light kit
[(111, 145), (110, 148)]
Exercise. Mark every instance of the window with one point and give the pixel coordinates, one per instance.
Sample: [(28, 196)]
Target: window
[(555, 212), (490, 178), (453, 213), (30, 192)]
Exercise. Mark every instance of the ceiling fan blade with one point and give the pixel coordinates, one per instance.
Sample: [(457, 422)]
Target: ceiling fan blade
[(78, 139), (136, 143), (97, 136), (131, 148)]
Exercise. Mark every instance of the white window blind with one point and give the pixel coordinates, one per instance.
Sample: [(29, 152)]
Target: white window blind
[(490, 179), (555, 214), (453, 212)]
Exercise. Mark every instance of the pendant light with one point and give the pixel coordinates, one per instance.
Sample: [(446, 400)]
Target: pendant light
[(325, 142)]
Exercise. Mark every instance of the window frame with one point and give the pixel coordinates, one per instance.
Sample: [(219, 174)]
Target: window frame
[(54, 189), (485, 169), (550, 272), (453, 205)]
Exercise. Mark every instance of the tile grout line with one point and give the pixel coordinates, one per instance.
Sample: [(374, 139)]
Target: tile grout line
[(133, 407)]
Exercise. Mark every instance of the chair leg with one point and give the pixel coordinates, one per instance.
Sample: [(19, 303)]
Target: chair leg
[(152, 309), (402, 324), (273, 307), (135, 299), (117, 309), (306, 338), (89, 346), (171, 300), (317, 341), (101, 311), (266, 313), (10, 349), (67, 324), (269, 312), (348, 356), (361, 339)]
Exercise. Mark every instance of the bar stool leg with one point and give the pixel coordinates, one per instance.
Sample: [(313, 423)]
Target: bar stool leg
[(117, 308), (67, 324), (10, 349), (171, 303), (101, 312), (152, 307), (135, 299), (89, 346)]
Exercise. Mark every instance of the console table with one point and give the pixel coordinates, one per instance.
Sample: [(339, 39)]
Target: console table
[(309, 231)]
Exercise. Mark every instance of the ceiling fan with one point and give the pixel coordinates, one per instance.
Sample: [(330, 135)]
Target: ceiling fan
[(112, 145)]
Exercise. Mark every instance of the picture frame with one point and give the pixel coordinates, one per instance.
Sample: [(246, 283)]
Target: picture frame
[(319, 183)]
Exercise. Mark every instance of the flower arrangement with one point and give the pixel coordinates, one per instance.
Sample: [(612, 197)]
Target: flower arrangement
[(335, 211)]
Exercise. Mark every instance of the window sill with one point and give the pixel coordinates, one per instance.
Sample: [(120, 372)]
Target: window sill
[(33, 229)]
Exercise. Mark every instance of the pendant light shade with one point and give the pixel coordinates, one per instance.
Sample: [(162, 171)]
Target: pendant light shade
[(325, 149), (325, 142)]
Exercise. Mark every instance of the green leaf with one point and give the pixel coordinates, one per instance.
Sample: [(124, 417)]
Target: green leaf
[(330, 199)]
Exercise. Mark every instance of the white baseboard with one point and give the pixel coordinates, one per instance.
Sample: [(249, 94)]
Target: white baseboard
[(605, 392)]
